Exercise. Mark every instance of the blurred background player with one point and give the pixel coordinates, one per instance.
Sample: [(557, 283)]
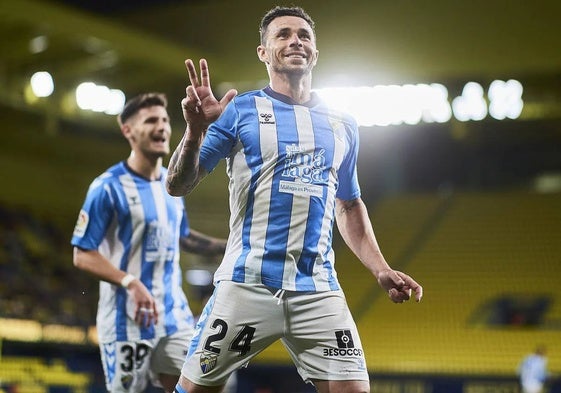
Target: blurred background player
[(533, 371), (129, 234)]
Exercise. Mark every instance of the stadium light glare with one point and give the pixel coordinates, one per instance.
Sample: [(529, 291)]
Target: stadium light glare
[(384, 105), (42, 84), (505, 99), (99, 98), (471, 105), (436, 107)]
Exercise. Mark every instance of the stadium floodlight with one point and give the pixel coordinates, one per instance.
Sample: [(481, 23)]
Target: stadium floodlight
[(99, 98), (505, 99), (384, 105), (42, 84), (471, 105)]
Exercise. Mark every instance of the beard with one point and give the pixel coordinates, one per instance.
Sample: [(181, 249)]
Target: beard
[(292, 69)]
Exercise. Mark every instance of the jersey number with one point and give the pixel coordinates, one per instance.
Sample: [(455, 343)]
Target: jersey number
[(134, 356), (241, 343)]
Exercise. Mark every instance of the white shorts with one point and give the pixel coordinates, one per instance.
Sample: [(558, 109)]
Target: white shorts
[(129, 365), (241, 320), (532, 386)]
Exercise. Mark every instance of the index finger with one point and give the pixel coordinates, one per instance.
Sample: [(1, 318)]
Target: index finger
[(193, 78), (412, 284), (416, 288)]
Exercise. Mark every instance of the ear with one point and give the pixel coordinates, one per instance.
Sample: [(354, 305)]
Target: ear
[(316, 57), (262, 54), (126, 130)]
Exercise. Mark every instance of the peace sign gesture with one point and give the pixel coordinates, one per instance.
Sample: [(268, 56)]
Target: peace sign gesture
[(200, 107)]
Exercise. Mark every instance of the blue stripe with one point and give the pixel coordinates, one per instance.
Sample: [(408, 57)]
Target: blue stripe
[(172, 212), (147, 268), (314, 223), (280, 212), (201, 323), (125, 235), (253, 150), (179, 389)]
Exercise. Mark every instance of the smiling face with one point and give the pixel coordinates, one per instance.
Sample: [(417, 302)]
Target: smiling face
[(149, 131), (289, 46)]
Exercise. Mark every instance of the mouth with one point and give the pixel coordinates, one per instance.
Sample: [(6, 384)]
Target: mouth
[(296, 55), (159, 139)]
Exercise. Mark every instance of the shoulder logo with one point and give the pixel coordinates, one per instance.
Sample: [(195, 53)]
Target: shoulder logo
[(266, 118), (81, 223)]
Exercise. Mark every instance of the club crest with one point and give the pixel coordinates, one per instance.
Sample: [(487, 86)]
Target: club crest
[(208, 362)]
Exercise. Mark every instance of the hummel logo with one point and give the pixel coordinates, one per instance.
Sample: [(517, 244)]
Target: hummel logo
[(265, 118)]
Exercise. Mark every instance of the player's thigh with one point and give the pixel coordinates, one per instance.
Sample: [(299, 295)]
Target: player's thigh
[(323, 340), (238, 322), (126, 365)]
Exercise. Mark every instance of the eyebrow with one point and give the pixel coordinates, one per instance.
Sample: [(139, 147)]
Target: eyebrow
[(300, 31), (151, 119)]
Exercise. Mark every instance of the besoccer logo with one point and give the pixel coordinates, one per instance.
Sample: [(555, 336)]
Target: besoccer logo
[(344, 339), (345, 346)]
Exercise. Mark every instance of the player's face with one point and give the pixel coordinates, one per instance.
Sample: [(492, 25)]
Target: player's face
[(290, 46), (150, 131)]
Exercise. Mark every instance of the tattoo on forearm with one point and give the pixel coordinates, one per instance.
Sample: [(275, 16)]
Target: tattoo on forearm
[(347, 206)]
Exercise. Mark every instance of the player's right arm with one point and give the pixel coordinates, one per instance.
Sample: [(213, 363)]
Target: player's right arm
[(97, 265)]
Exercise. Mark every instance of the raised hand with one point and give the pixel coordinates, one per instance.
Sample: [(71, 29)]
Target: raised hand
[(200, 107)]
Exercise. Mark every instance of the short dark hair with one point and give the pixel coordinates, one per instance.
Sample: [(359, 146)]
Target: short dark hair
[(140, 101), (279, 11)]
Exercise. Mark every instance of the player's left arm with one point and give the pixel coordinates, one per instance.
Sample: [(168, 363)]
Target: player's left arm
[(199, 243), (356, 229)]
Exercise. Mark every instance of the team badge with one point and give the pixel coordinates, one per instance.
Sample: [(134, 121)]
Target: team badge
[(126, 381), (208, 362), (81, 223)]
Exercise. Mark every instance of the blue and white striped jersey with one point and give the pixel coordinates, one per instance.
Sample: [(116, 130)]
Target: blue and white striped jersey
[(286, 163), (136, 225)]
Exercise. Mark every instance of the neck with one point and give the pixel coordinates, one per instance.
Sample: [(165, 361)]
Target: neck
[(148, 167), (298, 88)]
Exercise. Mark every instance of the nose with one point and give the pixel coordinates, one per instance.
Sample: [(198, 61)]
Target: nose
[(162, 125), (295, 40)]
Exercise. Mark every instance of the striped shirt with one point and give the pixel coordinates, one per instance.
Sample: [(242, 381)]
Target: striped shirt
[(286, 164), (136, 225)]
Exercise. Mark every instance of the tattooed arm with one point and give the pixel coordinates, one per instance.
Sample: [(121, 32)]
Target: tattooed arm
[(184, 172), (355, 228), (199, 243)]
